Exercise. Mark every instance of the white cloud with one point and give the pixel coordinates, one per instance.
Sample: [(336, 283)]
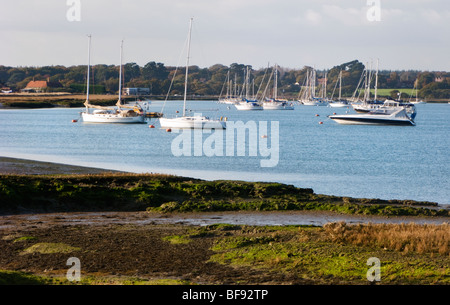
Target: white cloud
[(346, 16), (312, 17)]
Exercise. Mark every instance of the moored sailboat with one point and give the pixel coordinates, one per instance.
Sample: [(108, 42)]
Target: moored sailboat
[(190, 122), (309, 94), (339, 103), (248, 103), (122, 114), (275, 103)]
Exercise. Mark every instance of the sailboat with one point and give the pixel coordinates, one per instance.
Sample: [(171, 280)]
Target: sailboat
[(274, 103), (247, 103), (309, 98), (368, 105), (190, 122), (229, 98), (416, 101), (340, 103), (122, 114)]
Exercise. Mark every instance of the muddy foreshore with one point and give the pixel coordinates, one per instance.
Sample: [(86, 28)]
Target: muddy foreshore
[(132, 244)]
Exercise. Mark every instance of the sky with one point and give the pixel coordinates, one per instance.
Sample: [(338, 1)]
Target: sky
[(401, 34)]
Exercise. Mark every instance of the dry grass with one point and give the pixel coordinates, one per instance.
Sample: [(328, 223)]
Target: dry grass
[(405, 238)]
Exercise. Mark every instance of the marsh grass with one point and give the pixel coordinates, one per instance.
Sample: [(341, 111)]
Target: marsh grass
[(338, 253), (404, 238), (8, 277), (177, 239), (49, 248), (166, 193), (24, 238)]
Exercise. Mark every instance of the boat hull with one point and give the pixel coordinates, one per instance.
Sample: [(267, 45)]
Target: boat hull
[(338, 105), (245, 107), (370, 120), (191, 123), (277, 107), (314, 103), (112, 118)]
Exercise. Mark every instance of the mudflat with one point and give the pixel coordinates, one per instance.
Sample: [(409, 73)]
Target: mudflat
[(140, 247)]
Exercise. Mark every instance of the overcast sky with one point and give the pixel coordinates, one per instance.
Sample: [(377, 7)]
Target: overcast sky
[(406, 34)]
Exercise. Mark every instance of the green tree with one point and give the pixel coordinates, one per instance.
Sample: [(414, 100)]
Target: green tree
[(155, 70), (425, 79)]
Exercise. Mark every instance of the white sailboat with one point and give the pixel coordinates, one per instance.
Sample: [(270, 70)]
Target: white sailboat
[(309, 95), (340, 103), (416, 100), (246, 103), (274, 103), (122, 114), (368, 105), (229, 98), (190, 122)]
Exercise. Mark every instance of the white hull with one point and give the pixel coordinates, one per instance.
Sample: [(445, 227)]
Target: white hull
[(111, 118), (192, 122), (248, 106), (338, 105), (277, 106), (353, 122), (229, 101), (398, 118), (314, 103)]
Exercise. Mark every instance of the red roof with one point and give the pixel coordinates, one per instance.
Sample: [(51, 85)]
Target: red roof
[(37, 84)]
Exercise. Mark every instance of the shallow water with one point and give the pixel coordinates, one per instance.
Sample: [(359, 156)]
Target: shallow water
[(203, 219)]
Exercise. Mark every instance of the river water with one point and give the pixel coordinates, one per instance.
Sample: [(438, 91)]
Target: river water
[(387, 162)]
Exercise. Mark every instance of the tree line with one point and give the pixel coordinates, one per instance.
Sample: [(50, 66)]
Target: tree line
[(211, 81)]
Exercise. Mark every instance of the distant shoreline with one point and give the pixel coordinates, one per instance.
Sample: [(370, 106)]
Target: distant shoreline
[(67, 100)]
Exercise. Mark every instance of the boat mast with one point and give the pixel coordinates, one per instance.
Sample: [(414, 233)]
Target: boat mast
[(187, 67), (367, 84), (340, 84), (120, 76), (119, 102), (246, 83), (376, 82), (275, 85), (88, 69)]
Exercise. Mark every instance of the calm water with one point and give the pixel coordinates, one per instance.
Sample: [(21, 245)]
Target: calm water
[(388, 162)]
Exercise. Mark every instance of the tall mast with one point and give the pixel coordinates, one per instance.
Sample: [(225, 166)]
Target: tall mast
[(367, 85), (314, 83), (88, 70), (247, 81), (275, 88), (187, 68), (120, 75), (340, 84), (376, 83), (228, 84)]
